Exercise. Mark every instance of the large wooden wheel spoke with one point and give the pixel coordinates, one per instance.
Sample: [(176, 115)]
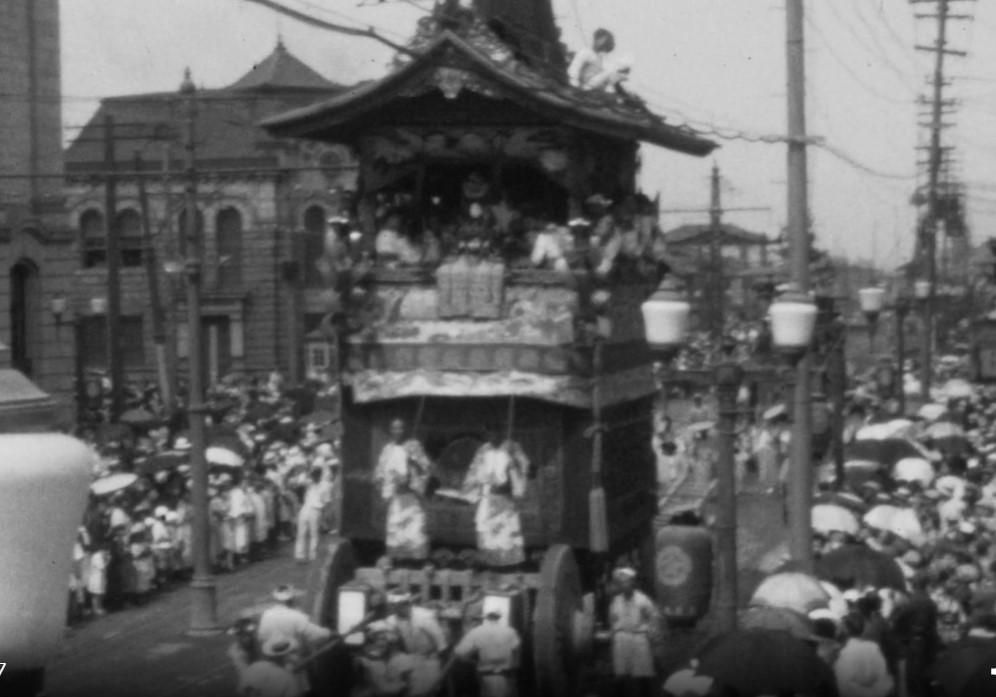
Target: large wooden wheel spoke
[(558, 601)]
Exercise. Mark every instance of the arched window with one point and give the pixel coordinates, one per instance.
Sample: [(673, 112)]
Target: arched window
[(228, 244), (130, 242), (314, 245), (93, 239)]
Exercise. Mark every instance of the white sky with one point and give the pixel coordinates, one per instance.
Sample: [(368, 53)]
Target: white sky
[(718, 63)]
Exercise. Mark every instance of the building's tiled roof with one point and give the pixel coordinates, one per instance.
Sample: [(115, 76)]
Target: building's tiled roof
[(226, 124), (282, 71), (480, 53), (701, 234)]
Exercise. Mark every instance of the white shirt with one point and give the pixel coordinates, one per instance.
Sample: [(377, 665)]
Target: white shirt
[(861, 670), (495, 645), (631, 615), (421, 635), (283, 621), (317, 495), (267, 679)]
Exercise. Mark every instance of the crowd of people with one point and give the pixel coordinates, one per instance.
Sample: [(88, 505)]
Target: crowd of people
[(917, 504), (272, 479)]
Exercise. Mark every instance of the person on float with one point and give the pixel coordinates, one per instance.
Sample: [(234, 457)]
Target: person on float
[(495, 479), (285, 620), (494, 647), (271, 675), (595, 68), (631, 618), (421, 637), (402, 474)]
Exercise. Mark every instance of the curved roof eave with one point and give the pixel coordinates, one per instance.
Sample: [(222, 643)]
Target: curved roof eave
[(362, 99)]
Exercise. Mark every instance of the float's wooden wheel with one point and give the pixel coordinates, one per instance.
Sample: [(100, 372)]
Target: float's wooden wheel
[(334, 567), (559, 625)]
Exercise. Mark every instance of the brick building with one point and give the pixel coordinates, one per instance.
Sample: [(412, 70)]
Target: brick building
[(263, 206), (36, 246)]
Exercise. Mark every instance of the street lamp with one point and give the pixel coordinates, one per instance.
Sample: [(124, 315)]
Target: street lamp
[(793, 319), (902, 307), (203, 616), (872, 301)]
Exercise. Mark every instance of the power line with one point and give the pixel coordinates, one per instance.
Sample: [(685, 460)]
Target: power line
[(893, 33), (879, 52), (849, 159), (369, 33), (850, 71)]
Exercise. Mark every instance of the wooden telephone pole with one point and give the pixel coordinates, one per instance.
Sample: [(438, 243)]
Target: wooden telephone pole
[(715, 289), (800, 495), (930, 223)]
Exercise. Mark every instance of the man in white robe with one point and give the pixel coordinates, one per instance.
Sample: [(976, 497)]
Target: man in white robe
[(402, 473)]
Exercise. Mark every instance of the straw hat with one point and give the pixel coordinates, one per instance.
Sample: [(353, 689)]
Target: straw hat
[(286, 592), (279, 646)]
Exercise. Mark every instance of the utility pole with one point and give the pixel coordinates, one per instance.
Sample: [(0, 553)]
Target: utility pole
[(155, 301), (166, 232), (800, 493), (931, 221), (113, 272), (203, 617), (717, 285), (715, 291)]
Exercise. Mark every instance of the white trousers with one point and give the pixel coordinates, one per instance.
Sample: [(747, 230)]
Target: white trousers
[(308, 521)]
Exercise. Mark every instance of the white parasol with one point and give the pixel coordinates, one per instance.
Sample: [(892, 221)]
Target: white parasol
[(112, 483), (943, 429), (793, 590), (224, 457), (897, 428), (774, 412), (932, 412), (901, 522), (914, 469), (957, 388), (828, 517), (700, 426)]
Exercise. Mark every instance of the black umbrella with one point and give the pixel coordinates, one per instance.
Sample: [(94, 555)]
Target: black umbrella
[(887, 451), (953, 445), (227, 437), (851, 502), (319, 418), (954, 670), (163, 462), (766, 662), (259, 411), (141, 418), (863, 565)]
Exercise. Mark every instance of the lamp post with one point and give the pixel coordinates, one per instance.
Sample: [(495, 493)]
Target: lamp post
[(793, 319), (872, 300), (923, 292), (902, 308), (203, 617)]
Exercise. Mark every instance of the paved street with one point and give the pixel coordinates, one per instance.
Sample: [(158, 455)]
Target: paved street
[(144, 652)]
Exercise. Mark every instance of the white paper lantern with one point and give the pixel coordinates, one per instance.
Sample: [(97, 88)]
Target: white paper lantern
[(665, 318), (793, 319), (871, 300)]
